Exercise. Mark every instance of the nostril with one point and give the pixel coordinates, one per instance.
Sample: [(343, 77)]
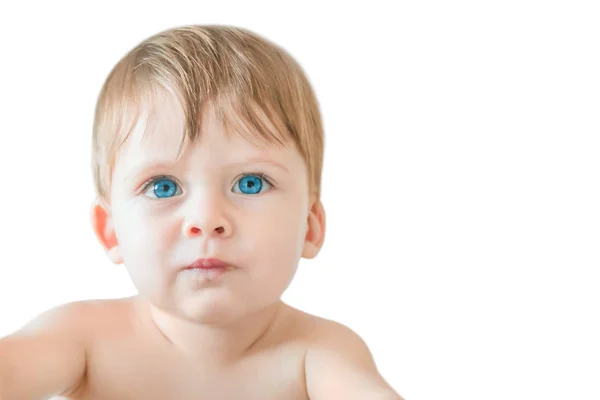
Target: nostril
[(220, 229), (194, 230)]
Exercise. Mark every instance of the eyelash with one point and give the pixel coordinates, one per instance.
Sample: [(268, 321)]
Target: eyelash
[(260, 174), (155, 179)]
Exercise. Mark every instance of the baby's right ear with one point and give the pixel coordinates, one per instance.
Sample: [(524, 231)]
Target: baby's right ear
[(105, 232)]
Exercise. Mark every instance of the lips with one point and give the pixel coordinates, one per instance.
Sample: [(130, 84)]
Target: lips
[(206, 271), (209, 263)]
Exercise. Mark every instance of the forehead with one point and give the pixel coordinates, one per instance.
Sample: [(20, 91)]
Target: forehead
[(159, 131), (159, 136)]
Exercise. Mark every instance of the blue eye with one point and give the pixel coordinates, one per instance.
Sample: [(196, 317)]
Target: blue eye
[(165, 188), (251, 184)]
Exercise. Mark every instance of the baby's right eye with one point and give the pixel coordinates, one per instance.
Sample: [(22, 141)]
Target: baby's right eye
[(163, 188)]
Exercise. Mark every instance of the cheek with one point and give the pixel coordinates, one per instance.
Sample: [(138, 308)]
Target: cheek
[(139, 224), (276, 241), (144, 246), (143, 239)]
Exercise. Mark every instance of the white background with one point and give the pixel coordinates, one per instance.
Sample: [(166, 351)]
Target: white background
[(461, 178)]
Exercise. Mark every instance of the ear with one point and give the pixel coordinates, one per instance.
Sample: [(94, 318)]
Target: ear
[(104, 230), (315, 233)]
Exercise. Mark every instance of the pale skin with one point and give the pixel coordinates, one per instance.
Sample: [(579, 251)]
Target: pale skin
[(184, 337)]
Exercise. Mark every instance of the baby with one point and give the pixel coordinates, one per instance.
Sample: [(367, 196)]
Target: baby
[(207, 158)]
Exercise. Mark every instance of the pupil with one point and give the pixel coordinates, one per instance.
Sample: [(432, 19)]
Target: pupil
[(250, 184)]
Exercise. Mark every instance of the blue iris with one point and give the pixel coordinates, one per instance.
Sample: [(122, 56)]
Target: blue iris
[(164, 188), (250, 184)]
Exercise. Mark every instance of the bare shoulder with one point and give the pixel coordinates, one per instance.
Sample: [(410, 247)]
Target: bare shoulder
[(330, 337), (321, 334), (80, 318), (52, 349), (339, 364)]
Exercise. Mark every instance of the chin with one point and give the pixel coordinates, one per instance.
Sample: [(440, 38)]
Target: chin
[(210, 310)]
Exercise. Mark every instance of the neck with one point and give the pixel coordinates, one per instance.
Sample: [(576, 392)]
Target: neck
[(220, 344)]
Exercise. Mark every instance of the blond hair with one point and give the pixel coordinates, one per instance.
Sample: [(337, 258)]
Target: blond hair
[(256, 88)]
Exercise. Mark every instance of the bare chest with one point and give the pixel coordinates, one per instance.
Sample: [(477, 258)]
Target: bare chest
[(127, 374)]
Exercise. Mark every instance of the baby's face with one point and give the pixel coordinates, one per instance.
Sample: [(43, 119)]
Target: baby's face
[(224, 198)]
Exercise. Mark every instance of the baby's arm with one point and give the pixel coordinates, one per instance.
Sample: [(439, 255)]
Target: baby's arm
[(339, 365), (47, 357)]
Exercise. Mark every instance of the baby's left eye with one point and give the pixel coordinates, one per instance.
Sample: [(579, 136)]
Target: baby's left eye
[(251, 184)]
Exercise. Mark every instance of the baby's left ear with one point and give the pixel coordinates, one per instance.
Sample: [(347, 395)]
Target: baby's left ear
[(315, 233)]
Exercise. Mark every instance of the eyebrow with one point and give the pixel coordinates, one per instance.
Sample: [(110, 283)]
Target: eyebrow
[(158, 165), (261, 160), (136, 172)]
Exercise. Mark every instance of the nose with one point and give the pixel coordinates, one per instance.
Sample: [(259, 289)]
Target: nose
[(209, 218)]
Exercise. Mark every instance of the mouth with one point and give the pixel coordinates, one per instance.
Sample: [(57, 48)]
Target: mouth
[(209, 263), (207, 269)]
